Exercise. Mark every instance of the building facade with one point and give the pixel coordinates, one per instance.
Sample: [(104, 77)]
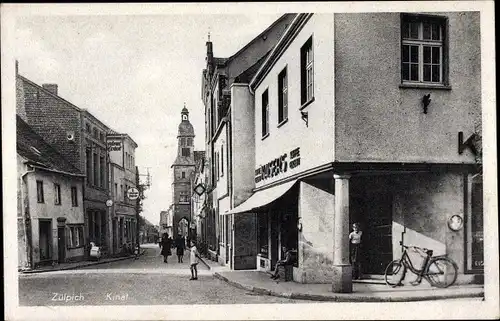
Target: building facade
[(337, 142), (123, 218), (50, 203), (80, 138), (166, 222), (221, 80)]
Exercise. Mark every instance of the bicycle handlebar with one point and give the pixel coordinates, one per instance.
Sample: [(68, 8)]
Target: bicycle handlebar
[(423, 249)]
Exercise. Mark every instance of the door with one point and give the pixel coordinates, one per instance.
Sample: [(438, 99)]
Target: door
[(45, 239), (377, 233), (61, 244)]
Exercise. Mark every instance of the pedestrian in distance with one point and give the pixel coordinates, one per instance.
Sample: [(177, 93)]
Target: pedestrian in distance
[(180, 243), (166, 247), (355, 251), (193, 261)]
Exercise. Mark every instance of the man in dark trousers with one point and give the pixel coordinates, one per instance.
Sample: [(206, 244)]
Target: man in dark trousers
[(289, 260), (180, 244), (166, 245)]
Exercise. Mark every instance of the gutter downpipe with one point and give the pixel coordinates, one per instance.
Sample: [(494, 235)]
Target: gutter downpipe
[(26, 220)]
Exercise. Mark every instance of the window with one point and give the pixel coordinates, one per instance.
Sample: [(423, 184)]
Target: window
[(183, 141), (87, 127), (422, 49), (116, 189), (183, 174), (190, 142), (183, 197), (185, 152), (282, 96), (96, 172), (74, 196), (125, 194), (306, 72), (121, 190), (126, 160), (95, 133), (102, 168), (39, 192), (222, 161), (101, 137), (265, 113), (88, 156), (57, 194), (217, 166), (75, 236)]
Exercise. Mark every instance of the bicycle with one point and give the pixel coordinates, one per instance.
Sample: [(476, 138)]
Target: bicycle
[(440, 271)]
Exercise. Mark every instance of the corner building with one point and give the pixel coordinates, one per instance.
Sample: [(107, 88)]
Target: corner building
[(344, 133)]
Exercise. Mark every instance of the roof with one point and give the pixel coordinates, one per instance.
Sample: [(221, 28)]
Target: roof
[(37, 151), (183, 161), (248, 74), (185, 129)]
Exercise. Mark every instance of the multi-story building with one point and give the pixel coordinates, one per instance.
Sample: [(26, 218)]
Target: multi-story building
[(224, 81), (182, 175), (121, 149), (368, 125), (81, 139), (166, 222), (50, 203), (198, 204)]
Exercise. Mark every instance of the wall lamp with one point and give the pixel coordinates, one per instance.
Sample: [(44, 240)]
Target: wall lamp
[(305, 117), (426, 100)]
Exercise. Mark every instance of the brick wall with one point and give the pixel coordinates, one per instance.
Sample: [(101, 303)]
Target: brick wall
[(52, 118)]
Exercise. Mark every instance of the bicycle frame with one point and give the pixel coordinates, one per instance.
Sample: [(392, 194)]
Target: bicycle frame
[(405, 258)]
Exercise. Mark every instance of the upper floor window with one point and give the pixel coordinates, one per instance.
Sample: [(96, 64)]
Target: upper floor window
[(57, 194), (422, 49), (190, 141), (265, 113), (87, 128), (102, 168), (101, 137), (88, 157), (306, 72), (183, 141), (222, 160), (186, 152), (183, 197), (95, 133), (282, 96), (96, 170), (183, 174), (39, 192), (74, 196)]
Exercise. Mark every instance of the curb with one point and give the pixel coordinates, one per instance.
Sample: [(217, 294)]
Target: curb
[(345, 297), (83, 265)]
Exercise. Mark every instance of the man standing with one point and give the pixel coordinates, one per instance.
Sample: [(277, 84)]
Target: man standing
[(180, 244)]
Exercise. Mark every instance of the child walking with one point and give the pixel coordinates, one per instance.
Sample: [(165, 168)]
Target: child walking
[(193, 260), (355, 255)]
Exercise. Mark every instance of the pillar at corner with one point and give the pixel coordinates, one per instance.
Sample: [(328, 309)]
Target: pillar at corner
[(342, 277)]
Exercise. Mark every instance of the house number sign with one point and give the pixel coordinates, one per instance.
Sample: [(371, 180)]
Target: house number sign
[(278, 165)]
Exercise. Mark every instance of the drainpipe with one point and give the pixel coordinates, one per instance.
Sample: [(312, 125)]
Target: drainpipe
[(27, 220)]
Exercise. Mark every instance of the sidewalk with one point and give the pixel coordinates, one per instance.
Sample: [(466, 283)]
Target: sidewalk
[(260, 282), (76, 265)]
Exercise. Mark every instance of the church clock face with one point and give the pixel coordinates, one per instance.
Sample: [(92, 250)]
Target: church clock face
[(184, 117)]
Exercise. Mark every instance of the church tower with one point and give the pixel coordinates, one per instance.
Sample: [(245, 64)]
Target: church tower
[(182, 171)]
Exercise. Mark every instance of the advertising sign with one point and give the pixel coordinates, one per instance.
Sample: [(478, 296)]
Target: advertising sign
[(132, 193)]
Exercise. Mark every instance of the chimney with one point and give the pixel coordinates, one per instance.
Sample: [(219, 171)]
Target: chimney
[(50, 87), (17, 67)]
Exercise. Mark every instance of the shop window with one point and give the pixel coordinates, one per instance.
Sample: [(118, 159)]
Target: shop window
[(75, 236), (307, 72), (265, 113), (74, 196), (39, 192), (423, 49), (263, 235), (475, 236), (282, 96)]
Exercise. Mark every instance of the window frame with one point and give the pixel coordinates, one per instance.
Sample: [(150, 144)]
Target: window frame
[(283, 96), (74, 196), (75, 234), (102, 171), (307, 50), (222, 160), (95, 169), (420, 43), (40, 197), (57, 194), (265, 113)]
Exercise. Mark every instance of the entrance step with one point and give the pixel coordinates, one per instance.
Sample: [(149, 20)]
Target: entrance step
[(371, 279)]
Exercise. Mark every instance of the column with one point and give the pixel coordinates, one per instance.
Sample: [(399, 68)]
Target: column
[(342, 277)]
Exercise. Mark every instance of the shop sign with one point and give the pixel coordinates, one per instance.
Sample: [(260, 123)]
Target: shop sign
[(114, 145), (278, 165)]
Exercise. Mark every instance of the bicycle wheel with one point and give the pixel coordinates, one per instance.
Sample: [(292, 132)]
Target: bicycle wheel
[(395, 273), (441, 272)]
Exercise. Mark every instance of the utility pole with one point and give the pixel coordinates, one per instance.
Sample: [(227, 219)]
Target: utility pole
[(137, 210)]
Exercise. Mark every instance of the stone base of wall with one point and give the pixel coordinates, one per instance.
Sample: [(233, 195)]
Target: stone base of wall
[(244, 262), (470, 279), (314, 276)]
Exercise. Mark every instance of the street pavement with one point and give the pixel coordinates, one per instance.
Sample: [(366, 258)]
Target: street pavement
[(145, 281)]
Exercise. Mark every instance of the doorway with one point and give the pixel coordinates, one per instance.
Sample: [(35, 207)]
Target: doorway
[(45, 239), (61, 243), (373, 211)]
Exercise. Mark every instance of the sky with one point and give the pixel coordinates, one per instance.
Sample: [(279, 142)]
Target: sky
[(134, 73)]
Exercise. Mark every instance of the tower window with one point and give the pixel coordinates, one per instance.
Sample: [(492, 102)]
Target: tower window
[(186, 152), (183, 174)]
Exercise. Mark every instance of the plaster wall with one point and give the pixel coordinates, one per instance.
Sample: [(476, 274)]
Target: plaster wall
[(377, 120), (315, 252), (315, 139)]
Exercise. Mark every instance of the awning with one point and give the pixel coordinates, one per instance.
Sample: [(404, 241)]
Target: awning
[(262, 198)]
